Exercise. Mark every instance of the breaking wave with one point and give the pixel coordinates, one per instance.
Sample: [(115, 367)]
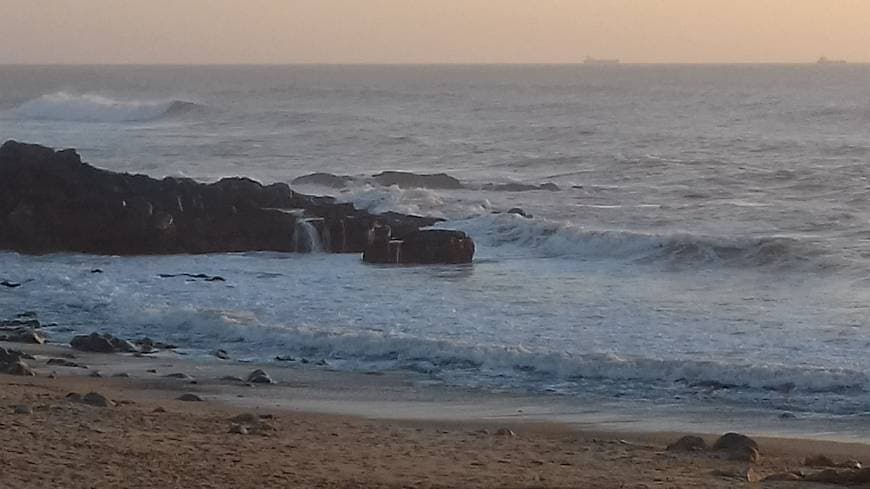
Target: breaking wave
[(63, 106), (560, 239)]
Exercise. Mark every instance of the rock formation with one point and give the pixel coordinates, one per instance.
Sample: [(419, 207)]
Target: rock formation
[(51, 201)]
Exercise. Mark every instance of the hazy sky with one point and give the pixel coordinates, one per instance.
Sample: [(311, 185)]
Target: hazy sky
[(441, 31)]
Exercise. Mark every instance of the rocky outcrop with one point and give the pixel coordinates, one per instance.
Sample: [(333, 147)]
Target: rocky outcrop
[(104, 343), (424, 247), (12, 363), (51, 201), (417, 180)]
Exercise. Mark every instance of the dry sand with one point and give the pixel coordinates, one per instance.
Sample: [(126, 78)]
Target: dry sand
[(151, 440)]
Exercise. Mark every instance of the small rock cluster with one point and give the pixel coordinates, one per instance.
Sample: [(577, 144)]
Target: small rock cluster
[(23, 329), (12, 363)]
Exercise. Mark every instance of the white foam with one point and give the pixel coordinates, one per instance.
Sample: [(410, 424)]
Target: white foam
[(64, 106)]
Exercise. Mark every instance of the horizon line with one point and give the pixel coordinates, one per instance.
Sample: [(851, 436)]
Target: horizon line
[(435, 63)]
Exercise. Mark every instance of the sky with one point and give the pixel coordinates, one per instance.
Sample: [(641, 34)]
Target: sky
[(432, 31)]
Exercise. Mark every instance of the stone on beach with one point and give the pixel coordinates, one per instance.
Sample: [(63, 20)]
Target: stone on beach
[(688, 443), (260, 376), (12, 363), (104, 343), (189, 398)]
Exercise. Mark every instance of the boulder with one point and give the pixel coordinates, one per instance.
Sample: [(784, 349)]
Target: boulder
[(323, 179), (12, 363), (431, 246), (104, 343), (688, 443), (189, 398), (23, 335), (52, 201), (735, 442), (260, 376), (417, 180)]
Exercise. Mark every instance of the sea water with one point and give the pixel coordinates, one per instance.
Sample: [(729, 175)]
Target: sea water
[(707, 248)]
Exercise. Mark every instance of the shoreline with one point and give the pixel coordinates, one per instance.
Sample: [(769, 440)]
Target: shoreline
[(321, 423), (401, 396)]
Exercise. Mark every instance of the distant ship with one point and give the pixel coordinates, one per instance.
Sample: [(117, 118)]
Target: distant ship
[(593, 61), (825, 61)]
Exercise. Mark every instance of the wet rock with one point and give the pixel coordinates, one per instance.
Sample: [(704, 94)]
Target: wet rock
[(431, 246), (11, 285), (12, 363), (104, 343), (189, 398), (23, 335), (519, 212), (147, 345), (96, 374), (96, 270), (222, 354), (416, 180), (285, 358), (52, 201), (260, 376), (850, 464), (688, 444), (232, 378), (787, 415), (323, 179), (122, 375)]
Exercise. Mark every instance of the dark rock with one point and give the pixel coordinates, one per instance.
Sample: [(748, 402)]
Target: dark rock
[(222, 354), (51, 201), (96, 399), (11, 363), (238, 429), (105, 343), (505, 432), (96, 374), (123, 375), (688, 444), (323, 179), (734, 442), (260, 376), (422, 247), (745, 454), (189, 398), (11, 285), (96, 270), (194, 276), (284, 358), (518, 211), (415, 180), (62, 362), (23, 335)]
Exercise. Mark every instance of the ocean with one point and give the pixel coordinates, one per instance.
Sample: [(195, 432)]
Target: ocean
[(707, 249)]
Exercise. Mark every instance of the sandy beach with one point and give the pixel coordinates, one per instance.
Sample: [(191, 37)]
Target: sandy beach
[(242, 436)]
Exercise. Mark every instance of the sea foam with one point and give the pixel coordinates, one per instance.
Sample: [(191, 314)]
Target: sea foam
[(64, 106)]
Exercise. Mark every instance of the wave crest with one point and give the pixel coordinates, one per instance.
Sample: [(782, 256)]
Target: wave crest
[(559, 239), (64, 106)]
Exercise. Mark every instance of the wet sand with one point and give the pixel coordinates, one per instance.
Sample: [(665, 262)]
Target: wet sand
[(295, 438)]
